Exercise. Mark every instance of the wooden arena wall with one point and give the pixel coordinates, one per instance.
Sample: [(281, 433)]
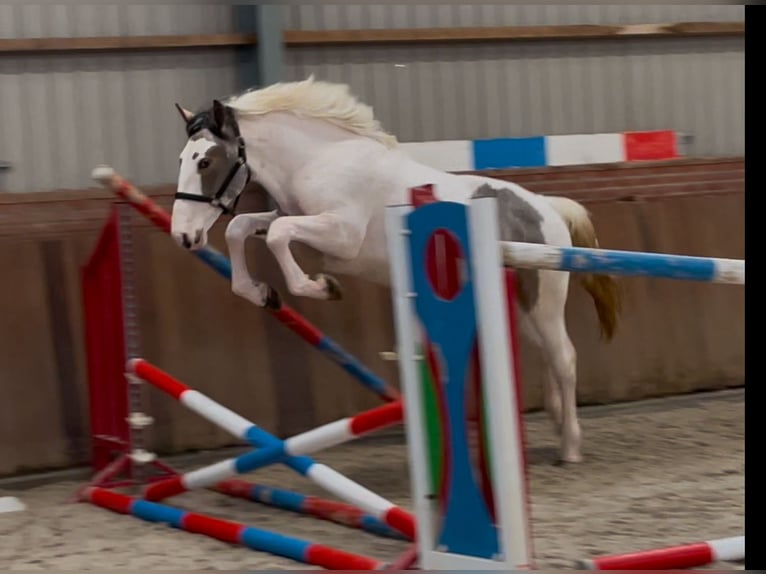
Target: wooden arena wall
[(675, 336)]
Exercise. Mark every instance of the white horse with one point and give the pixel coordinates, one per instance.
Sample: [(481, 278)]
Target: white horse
[(332, 170)]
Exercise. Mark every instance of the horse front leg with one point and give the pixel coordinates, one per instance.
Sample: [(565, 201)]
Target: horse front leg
[(239, 229), (328, 233)]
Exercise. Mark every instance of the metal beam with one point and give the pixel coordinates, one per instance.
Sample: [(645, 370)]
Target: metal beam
[(247, 56), (260, 64), (270, 44)]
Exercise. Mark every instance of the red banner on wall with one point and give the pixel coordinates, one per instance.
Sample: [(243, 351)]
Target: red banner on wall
[(652, 145)]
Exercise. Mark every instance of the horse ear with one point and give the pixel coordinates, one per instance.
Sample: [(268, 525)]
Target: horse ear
[(219, 114), (185, 114)]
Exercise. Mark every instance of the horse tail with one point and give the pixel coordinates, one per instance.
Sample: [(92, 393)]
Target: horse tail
[(605, 291)]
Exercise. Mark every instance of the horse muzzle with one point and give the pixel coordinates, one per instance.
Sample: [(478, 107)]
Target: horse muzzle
[(192, 241)]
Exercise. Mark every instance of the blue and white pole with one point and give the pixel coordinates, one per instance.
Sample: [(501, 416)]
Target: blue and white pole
[(632, 263)]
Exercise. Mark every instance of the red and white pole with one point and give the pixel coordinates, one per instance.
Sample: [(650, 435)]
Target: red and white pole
[(673, 557)]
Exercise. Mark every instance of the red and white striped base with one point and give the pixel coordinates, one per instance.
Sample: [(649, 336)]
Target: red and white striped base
[(673, 557)]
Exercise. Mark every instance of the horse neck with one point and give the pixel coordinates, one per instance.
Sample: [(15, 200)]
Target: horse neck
[(280, 144)]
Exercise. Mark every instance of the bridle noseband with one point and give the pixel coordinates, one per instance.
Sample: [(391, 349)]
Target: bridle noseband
[(202, 122)]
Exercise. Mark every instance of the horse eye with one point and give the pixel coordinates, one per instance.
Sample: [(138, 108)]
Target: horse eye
[(203, 163)]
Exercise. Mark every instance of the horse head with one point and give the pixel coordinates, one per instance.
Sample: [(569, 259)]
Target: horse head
[(212, 175)]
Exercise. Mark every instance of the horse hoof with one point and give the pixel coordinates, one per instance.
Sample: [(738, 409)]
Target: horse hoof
[(563, 463), (273, 300), (331, 287)]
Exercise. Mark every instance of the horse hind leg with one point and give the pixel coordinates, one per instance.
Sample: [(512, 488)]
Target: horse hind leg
[(551, 390), (560, 356), (562, 359), (552, 399), (566, 373)]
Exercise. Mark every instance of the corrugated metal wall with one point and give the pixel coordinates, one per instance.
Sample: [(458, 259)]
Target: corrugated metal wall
[(524, 89), (413, 15), (29, 19), (63, 114), (489, 90)]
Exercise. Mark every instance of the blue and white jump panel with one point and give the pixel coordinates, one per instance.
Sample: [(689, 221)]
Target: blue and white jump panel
[(631, 263), (461, 534), (457, 535)]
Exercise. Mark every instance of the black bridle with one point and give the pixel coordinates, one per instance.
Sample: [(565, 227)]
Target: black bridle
[(197, 124)]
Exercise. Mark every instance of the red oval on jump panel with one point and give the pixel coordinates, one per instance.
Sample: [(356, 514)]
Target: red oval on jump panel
[(444, 264), (650, 145)]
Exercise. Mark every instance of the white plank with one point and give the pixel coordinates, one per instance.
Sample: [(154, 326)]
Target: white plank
[(448, 155), (577, 149)]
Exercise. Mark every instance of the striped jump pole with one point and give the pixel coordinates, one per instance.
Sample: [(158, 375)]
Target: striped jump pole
[(330, 510), (272, 450), (673, 557), (309, 442), (614, 262), (284, 314), (231, 532)]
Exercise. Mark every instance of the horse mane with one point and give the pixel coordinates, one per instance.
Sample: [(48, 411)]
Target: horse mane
[(314, 99)]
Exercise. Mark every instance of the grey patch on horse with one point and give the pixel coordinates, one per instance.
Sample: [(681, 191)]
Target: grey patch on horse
[(222, 158), (518, 221), (213, 175)]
